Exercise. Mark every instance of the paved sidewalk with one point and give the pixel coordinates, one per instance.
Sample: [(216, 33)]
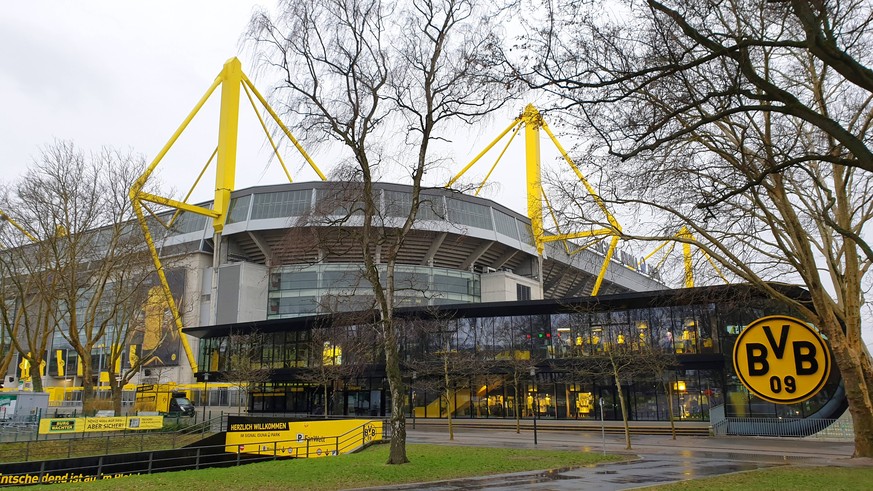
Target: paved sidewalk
[(660, 459)]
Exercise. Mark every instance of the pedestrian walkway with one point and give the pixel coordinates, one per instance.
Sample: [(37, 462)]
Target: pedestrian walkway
[(656, 459)]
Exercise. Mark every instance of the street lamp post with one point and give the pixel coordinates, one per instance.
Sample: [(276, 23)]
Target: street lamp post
[(414, 376), (205, 393), (533, 374), (602, 426)]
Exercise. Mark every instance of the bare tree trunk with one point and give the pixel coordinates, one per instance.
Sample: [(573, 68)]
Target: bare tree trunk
[(668, 389), (36, 375), (116, 400), (449, 394), (87, 382), (326, 403), (515, 392), (448, 391), (7, 360), (397, 452), (857, 392), (621, 402)]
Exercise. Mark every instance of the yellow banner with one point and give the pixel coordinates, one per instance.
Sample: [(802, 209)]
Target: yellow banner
[(86, 425), (300, 438)]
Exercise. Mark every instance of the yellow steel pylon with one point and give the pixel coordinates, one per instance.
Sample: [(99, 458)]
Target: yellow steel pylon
[(230, 79), (6, 218), (686, 238), (533, 121)]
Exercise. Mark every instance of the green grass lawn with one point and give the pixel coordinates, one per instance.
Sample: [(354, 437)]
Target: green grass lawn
[(82, 447), (367, 468), (784, 478)]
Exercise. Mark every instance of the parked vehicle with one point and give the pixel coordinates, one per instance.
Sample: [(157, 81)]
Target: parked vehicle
[(162, 400)]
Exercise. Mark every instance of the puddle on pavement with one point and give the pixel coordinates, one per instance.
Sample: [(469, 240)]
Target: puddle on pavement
[(658, 472)]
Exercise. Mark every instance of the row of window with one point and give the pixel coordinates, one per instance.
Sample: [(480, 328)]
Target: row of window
[(295, 203), (691, 395), (296, 291), (682, 330)]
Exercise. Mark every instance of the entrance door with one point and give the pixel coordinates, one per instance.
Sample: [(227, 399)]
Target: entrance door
[(611, 403), (358, 402), (611, 410)]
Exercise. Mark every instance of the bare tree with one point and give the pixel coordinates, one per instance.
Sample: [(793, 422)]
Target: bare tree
[(659, 364), (85, 261), (360, 72), (759, 113), (515, 353), (141, 314), (26, 312), (6, 345), (339, 352), (243, 362), (445, 359)]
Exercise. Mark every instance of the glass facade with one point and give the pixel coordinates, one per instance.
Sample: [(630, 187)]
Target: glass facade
[(468, 213), (296, 291), (281, 204), (681, 346)]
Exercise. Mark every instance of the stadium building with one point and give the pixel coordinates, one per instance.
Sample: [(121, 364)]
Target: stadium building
[(526, 331), (283, 255), (487, 299)]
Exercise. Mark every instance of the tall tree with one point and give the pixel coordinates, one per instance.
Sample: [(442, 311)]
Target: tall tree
[(140, 314), (339, 351), (86, 260), (446, 360), (26, 311), (243, 364), (517, 350), (758, 113), (360, 73)]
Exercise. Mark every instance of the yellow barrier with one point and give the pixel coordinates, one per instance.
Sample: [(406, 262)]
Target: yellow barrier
[(89, 425), (300, 438)]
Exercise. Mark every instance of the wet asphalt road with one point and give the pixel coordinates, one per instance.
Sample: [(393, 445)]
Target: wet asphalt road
[(660, 459)]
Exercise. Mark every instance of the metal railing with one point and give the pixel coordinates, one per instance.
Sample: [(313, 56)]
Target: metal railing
[(348, 442), (119, 465), (108, 443), (29, 445), (772, 427), (199, 457)]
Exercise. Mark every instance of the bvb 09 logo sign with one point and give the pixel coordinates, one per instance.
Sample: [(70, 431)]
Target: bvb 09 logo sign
[(781, 359)]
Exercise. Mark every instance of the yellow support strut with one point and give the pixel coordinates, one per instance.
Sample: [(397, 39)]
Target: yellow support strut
[(165, 287), (6, 218), (687, 239), (533, 121), (230, 79), (228, 124), (532, 124)]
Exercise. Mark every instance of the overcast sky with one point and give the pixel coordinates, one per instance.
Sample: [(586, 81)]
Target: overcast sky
[(125, 74), (122, 74)]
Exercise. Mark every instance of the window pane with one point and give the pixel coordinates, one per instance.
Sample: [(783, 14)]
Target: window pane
[(239, 209), (472, 214), (282, 204)]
